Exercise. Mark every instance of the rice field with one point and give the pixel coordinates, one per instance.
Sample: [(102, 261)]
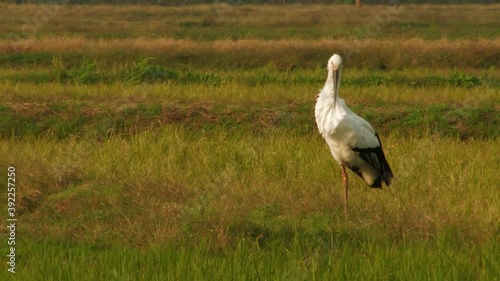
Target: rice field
[(179, 143)]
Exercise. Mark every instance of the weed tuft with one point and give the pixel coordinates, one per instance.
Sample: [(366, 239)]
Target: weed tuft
[(145, 71), (462, 79), (58, 69), (210, 79), (84, 74)]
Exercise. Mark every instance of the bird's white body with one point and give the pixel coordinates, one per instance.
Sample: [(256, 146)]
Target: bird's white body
[(343, 130), (352, 140)]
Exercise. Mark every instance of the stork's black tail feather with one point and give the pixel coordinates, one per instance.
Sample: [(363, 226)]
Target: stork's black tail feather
[(376, 158)]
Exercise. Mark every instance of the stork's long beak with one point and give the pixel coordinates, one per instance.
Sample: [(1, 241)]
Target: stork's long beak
[(335, 87)]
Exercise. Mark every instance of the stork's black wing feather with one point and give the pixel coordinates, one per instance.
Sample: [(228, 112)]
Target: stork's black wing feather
[(355, 170), (376, 158)]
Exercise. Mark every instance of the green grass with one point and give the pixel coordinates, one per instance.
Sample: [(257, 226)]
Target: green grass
[(146, 71), (337, 257), (239, 204)]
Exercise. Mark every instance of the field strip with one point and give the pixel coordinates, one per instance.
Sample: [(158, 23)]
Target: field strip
[(150, 44)]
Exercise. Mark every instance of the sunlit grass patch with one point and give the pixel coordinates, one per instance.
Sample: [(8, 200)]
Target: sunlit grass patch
[(225, 185)]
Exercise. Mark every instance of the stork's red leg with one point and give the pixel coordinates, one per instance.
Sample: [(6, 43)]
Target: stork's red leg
[(345, 183)]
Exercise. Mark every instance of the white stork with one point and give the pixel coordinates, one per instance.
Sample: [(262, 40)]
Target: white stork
[(352, 141)]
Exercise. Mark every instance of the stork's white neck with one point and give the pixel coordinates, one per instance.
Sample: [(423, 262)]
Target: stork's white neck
[(331, 79)]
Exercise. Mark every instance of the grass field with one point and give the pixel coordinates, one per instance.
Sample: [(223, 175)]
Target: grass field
[(179, 143)]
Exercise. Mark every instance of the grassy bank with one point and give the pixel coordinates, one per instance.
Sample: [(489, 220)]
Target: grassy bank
[(250, 100), (63, 120)]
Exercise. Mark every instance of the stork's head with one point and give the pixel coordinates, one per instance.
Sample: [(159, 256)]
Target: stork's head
[(335, 62)]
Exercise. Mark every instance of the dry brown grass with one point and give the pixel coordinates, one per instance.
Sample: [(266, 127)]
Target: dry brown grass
[(320, 21), (224, 35), (254, 52), (268, 15)]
